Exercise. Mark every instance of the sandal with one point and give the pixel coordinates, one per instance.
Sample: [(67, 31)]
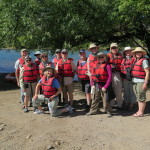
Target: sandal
[(138, 115)]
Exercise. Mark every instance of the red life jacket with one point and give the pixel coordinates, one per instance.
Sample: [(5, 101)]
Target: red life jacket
[(21, 61), (37, 62), (99, 73), (92, 60), (126, 63), (30, 73), (41, 67), (82, 71), (115, 61), (65, 68), (55, 61), (47, 88), (137, 70)]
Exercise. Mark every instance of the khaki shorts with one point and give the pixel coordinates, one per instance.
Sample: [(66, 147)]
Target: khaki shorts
[(30, 89), (139, 92), (68, 88)]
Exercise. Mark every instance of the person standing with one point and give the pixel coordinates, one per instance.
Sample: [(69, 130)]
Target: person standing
[(66, 69), (115, 59), (126, 66), (18, 64), (51, 89), (28, 80), (44, 62), (101, 75), (38, 58), (84, 78), (57, 58), (140, 73)]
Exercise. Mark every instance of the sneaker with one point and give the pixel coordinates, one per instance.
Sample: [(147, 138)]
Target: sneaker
[(73, 109), (25, 110), (109, 114), (69, 108), (38, 112), (89, 114)]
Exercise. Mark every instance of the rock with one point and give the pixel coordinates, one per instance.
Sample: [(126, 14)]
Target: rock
[(49, 147), (61, 142), (1, 128), (28, 137), (57, 143)]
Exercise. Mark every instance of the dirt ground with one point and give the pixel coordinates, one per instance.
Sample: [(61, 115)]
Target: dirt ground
[(28, 131)]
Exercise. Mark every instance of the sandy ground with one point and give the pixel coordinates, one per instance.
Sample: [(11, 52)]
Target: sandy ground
[(27, 131)]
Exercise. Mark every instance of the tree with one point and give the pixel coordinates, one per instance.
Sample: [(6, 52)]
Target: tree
[(69, 23)]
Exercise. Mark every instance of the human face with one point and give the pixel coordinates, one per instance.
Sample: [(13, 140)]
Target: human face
[(114, 50), (38, 56), (24, 54), (94, 50), (138, 55), (128, 53), (44, 57), (28, 61), (101, 58), (49, 73), (82, 55), (58, 54), (64, 54)]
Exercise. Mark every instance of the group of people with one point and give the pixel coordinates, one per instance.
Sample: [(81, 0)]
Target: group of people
[(102, 76)]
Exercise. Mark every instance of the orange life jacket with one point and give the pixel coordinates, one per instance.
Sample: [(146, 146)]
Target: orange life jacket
[(37, 62), (55, 61), (99, 73), (30, 73), (137, 70), (126, 63), (92, 60), (82, 71), (65, 68), (115, 61), (21, 61), (47, 88), (42, 66)]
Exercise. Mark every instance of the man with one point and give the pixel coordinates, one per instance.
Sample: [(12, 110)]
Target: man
[(38, 58), (115, 59), (28, 80), (66, 69), (93, 48), (84, 78), (18, 64), (51, 89), (58, 57)]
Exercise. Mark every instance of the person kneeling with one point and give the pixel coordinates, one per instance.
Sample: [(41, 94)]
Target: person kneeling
[(51, 89)]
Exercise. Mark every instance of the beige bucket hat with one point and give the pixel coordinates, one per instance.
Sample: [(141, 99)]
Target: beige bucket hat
[(93, 45), (139, 49)]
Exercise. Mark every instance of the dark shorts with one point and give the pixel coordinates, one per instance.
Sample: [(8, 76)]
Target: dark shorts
[(86, 87)]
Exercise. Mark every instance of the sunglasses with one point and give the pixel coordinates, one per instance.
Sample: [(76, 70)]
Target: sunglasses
[(114, 48), (100, 57), (64, 53), (58, 52), (44, 56), (28, 60)]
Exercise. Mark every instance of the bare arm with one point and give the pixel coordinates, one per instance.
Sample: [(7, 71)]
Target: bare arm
[(146, 78), (37, 90), (56, 94)]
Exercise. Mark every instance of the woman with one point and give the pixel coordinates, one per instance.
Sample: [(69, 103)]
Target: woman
[(140, 74), (51, 89), (126, 65), (101, 78), (28, 80), (44, 62)]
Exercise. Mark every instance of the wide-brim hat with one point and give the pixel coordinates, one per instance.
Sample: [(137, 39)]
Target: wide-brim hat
[(64, 50), (113, 45), (93, 45), (139, 49), (127, 49), (58, 51), (47, 68), (28, 57), (37, 53), (102, 54), (24, 50)]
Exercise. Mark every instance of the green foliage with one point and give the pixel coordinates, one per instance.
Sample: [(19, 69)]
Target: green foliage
[(72, 23)]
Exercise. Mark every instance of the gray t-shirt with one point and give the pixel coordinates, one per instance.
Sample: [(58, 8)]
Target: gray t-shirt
[(145, 64)]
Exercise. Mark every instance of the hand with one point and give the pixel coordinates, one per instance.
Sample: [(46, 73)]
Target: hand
[(18, 83), (144, 86), (23, 90), (103, 89), (35, 97), (52, 98)]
